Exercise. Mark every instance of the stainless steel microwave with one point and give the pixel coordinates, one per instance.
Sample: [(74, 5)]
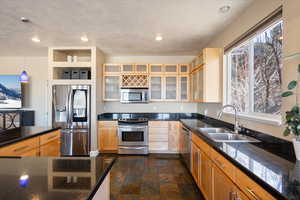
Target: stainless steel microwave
[(134, 95)]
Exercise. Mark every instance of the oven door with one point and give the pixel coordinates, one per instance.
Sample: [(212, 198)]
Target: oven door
[(133, 135)]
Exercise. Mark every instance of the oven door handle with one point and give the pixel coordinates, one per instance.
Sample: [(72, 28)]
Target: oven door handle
[(132, 128), (132, 148)]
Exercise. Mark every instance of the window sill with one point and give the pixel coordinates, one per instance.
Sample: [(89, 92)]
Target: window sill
[(272, 120)]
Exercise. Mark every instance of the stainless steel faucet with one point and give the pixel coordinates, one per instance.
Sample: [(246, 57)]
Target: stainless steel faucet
[(236, 123)]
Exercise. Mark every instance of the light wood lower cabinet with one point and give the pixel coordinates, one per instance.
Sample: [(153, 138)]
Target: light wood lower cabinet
[(50, 149), (252, 190), (44, 145), (218, 179), (222, 187), (158, 136), (205, 176), (108, 135), (164, 136), (195, 163)]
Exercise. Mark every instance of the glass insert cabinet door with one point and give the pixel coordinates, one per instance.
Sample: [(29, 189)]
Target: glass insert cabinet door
[(184, 88), (184, 68), (171, 69), (156, 87), (128, 68), (141, 68), (112, 87), (171, 87), (112, 68), (156, 68)]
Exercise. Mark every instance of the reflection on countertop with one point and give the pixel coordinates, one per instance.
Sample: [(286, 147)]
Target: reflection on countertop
[(66, 178), (278, 176)]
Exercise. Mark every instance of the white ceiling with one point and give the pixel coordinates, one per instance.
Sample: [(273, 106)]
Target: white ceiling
[(118, 27)]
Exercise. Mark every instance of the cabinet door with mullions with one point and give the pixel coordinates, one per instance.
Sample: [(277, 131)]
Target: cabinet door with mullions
[(184, 88), (156, 88), (171, 69), (111, 87), (171, 88)]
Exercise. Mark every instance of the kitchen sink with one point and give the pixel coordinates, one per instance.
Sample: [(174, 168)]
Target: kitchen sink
[(213, 130), (223, 135), (231, 137)]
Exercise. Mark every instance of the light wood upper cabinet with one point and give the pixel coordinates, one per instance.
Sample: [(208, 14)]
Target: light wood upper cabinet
[(128, 68), (141, 68), (112, 68), (166, 82), (171, 69), (156, 88), (171, 88), (205, 75), (156, 69), (111, 87), (184, 68), (184, 89), (107, 136)]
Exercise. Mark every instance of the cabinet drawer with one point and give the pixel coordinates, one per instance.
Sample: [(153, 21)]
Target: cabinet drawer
[(44, 139), (158, 134), (174, 126), (159, 124), (224, 165), (158, 146), (251, 189), (201, 144), (20, 148), (108, 124)]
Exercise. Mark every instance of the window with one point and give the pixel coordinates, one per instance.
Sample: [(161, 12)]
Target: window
[(254, 73)]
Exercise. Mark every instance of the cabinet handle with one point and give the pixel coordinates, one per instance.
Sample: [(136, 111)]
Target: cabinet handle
[(21, 148), (252, 193), (219, 163), (51, 137)]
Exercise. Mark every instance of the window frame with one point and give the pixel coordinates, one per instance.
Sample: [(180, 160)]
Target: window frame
[(248, 115)]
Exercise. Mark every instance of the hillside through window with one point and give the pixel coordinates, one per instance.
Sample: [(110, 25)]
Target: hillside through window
[(254, 72)]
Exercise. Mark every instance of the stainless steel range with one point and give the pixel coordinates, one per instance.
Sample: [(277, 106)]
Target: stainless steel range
[(133, 136)]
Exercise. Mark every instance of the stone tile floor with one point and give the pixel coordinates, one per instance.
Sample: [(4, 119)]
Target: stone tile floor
[(152, 178)]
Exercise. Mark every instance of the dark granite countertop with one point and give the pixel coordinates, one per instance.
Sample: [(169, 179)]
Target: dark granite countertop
[(22, 133), (278, 176), (150, 116), (47, 178)]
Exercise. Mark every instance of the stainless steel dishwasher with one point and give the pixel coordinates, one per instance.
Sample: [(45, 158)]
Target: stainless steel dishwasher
[(185, 146)]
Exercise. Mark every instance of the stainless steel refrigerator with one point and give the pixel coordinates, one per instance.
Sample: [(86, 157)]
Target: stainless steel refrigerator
[(71, 112)]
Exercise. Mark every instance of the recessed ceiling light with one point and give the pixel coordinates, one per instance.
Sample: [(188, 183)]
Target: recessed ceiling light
[(35, 39), (225, 9), (158, 37), (24, 19), (84, 39)]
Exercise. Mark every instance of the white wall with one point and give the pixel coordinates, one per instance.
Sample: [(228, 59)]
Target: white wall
[(35, 92), (250, 17), (152, 106)]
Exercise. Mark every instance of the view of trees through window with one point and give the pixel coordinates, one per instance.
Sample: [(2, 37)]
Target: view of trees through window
[(255, 73)]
